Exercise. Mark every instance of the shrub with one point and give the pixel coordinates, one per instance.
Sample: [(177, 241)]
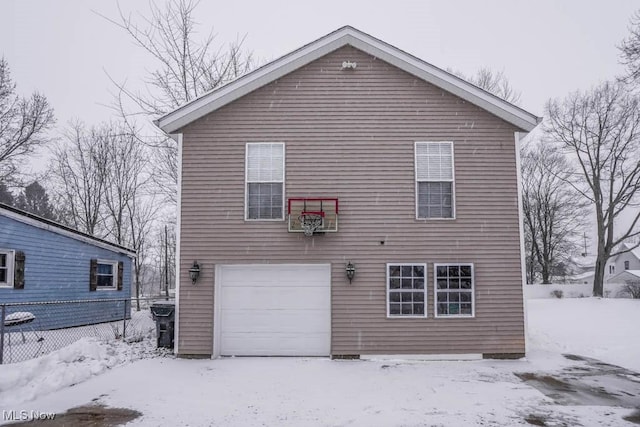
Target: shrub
[(557, 293), (630, 290)]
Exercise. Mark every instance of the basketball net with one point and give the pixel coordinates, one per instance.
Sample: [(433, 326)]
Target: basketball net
[(310, 223)]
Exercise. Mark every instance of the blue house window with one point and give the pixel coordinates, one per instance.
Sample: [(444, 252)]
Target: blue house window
[(106, 275), (6, 268)]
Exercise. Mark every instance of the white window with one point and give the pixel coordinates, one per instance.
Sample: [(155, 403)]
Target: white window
[(6, 268), (454, 290), (434, 180), (107, 274), (626, 265), (406, 290), (612, 269), (264, 199)]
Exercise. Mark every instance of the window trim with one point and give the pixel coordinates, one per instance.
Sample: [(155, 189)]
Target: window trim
[(246, 181), (114, 273), (453, 180), (627, 264), (11, 263), (426, 276), (435, 291)]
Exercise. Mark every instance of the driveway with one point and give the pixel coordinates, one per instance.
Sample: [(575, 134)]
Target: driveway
[(321, 392)]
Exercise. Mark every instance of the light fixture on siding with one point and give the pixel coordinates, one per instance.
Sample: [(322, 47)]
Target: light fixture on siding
[(194, 272), (351, 271)]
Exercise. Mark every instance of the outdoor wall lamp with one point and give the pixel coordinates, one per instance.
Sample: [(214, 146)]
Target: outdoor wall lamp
[(351, 271), (194, 272)]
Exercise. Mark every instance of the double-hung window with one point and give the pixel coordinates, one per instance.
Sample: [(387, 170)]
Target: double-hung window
[(454, 290), (406, 290), (6, 268), (264, 181), (107, 274), (434, 180)]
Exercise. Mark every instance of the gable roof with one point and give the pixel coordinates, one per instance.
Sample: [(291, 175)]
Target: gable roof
[(635, 251), (344, 36), (47, 224), (630, 274)]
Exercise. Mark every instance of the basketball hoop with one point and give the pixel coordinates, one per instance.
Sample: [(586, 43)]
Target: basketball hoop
[(312, 216), (311, 221)]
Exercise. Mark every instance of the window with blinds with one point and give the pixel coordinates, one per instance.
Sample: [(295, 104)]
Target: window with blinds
[(264, 192), (434, 180)]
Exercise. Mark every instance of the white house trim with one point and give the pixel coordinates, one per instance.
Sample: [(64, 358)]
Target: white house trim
[(176, 339), (344, 36)]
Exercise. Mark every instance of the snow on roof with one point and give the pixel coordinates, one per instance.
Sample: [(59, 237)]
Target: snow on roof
[(635, 273), (217, 98), (634, 251), (581, 276)]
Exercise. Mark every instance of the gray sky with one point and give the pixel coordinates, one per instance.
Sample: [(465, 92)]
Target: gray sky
[(547, 48)]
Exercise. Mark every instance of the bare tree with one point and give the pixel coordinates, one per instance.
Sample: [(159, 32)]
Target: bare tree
[(630, 49), (141, 214), (126, 175), (79, 169), (187, 68), (23, 123), (600, 128), (494, 82), (553, 210)]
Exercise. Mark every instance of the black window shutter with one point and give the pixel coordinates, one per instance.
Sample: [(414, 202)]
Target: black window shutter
[(18, 276), (120, 273), (93, 275)]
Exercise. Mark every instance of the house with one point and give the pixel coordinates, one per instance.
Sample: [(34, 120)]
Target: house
[(43, 261), (629, 260), (625, 267), (584, 270), (349, 199)]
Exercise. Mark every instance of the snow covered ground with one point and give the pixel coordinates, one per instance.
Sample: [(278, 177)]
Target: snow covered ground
[(308, 391)]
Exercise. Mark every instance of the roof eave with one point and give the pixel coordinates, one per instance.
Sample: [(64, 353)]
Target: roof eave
[(217, 98), (54, 227)]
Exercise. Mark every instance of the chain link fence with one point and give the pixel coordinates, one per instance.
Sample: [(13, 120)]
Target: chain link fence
[(32, 329)]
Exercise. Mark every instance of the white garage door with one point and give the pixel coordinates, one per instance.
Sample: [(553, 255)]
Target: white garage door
[(275, 310)]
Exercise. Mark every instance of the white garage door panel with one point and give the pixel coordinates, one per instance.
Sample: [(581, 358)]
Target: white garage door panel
[(275, 310), (276, 297), (297, 321), (288, 345)]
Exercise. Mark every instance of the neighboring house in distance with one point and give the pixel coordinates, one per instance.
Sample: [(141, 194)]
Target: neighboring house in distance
[(584, 268), (628, 260), (415, 247), (41, 260), (626, 266)]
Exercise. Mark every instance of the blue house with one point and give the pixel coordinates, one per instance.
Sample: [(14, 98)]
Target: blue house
[(43, 261)]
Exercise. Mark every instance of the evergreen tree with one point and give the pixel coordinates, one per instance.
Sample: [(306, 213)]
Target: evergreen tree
[(34, 199), (5, 195)]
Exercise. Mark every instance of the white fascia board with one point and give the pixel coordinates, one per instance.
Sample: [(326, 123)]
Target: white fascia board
[(245, 85), (449, 83), (67, 233), (345, 36)]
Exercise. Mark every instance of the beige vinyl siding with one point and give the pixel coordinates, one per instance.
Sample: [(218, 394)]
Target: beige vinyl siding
[(350, 134)]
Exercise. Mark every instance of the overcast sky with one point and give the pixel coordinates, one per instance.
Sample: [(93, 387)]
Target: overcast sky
[(546, 48)]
